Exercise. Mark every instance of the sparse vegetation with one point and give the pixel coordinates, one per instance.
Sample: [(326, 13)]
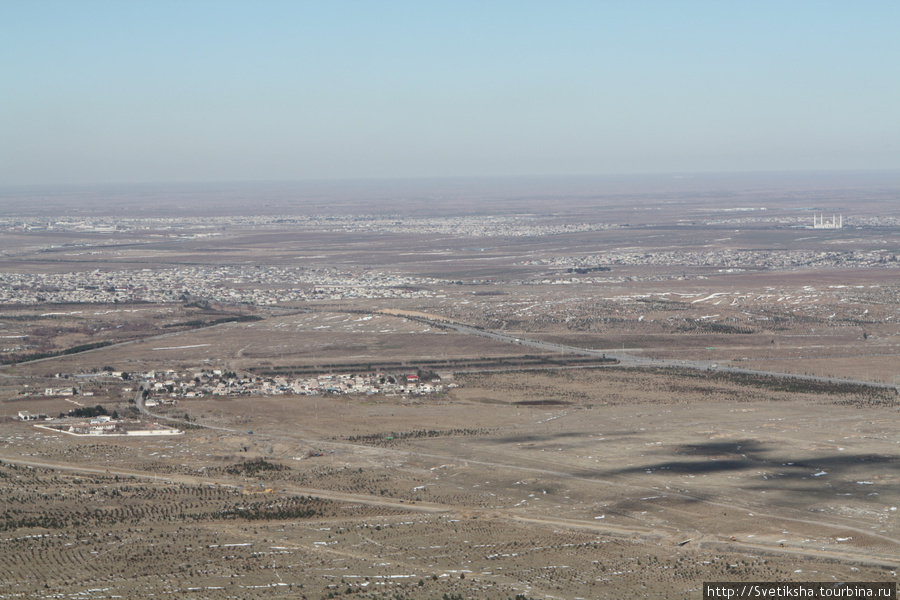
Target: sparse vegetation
[(254, 467), (196, 323), (87, 412), (533, 466), (20, 358), (382, 439)]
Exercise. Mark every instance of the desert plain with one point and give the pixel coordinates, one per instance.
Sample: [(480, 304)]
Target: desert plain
[(479, 389)]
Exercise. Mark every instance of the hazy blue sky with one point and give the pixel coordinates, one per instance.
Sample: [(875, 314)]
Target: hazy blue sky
[(129, 91)]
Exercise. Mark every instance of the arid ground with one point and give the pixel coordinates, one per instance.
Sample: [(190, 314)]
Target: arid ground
[(640, 389)]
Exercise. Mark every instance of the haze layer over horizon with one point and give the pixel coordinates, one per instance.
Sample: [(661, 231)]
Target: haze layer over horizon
[(96, 92)]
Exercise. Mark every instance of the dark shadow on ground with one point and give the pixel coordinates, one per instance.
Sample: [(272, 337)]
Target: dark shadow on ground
[(767, 459)]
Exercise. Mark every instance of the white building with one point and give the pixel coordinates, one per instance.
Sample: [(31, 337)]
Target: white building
[(836, 222)]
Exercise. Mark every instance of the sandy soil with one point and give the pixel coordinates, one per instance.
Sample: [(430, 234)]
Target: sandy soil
[(569, 484)]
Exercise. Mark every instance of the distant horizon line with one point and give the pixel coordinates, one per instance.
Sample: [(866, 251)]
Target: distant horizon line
[(448, 178)]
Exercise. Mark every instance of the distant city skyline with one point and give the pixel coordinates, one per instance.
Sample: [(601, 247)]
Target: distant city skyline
[(142, 92)]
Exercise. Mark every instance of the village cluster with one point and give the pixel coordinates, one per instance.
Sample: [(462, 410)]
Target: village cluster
[(520, 225), (726, 258), (272, 285), (166, 387), (233, 284), (172, 385), (460, 226)]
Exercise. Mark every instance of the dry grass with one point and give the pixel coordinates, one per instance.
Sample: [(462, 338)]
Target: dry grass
[(586, 495)]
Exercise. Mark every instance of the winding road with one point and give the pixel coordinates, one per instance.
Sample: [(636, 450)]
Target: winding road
[(630, 360), (624, 359)]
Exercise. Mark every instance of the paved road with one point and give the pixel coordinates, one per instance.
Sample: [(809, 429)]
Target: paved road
[(630, 360), (142, 408), (656, 535), (151, 338), (625, 359)]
